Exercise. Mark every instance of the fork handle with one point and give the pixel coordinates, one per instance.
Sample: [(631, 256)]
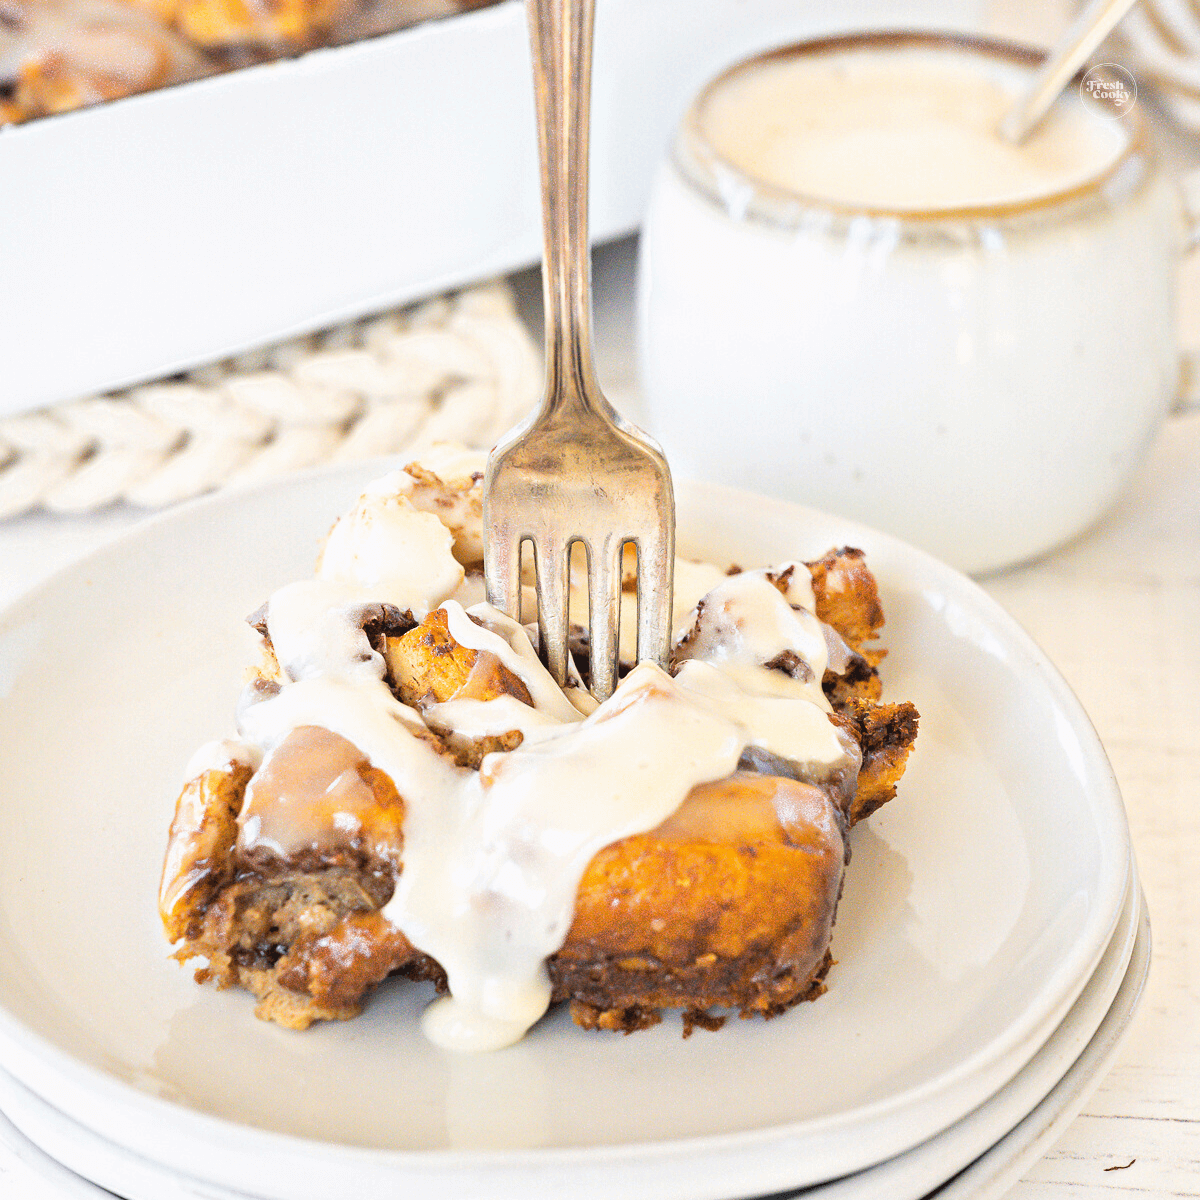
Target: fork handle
[(560, 33)]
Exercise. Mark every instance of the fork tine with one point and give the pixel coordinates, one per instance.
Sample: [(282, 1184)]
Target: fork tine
[(502, 572), (604, 611), (575, 470), (656, 577), (552, 563)]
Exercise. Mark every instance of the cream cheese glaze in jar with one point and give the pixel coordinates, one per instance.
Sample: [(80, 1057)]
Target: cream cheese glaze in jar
[(854, 295)]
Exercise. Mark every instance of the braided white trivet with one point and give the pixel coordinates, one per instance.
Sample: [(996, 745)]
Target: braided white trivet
[(457, 368), (1163, 37)]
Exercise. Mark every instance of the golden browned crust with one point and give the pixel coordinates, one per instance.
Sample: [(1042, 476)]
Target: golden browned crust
[(427, 666), (887, 734), (303, 934), (309, 946), (61, 56), (724, 905), (199, 858), (847, 596), (636, 1016), (296, 24)]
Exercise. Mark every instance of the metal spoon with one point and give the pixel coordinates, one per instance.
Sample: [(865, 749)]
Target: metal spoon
[(1089, 29)]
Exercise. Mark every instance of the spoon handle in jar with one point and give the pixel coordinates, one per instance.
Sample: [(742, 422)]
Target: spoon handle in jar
[(1089, 29)]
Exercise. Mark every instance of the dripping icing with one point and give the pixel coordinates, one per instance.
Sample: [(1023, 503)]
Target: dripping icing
[(493, 858)]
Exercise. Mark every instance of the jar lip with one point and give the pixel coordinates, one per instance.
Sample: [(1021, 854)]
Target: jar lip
[(732, 187)]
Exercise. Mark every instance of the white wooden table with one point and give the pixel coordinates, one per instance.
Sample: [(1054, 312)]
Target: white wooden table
[(1119, 613)]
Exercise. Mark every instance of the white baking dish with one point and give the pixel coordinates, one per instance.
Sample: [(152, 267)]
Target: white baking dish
[(169, 229)]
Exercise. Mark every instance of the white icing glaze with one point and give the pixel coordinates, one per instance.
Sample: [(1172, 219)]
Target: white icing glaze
[(309, 794), (365, 713), (693, 581), (447, 483), (799, 585), (473, 719), (746, 622), (784, 721), (391, 549), (315, 629), (509, 642), (222, 756), (529, 822), (493, 858), (470, 592), (451, 462), (907, 129), (583, 700), (809, 807)]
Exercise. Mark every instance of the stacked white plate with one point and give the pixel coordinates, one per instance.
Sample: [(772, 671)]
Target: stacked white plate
[(991, 941)]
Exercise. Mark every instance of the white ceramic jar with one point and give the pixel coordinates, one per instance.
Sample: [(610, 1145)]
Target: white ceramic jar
[(978, 375)]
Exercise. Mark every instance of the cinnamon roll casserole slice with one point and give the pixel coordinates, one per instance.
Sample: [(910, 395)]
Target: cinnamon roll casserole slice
[(409, 793)]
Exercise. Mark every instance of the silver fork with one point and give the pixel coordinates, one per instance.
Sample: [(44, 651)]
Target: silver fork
[(576, 471)]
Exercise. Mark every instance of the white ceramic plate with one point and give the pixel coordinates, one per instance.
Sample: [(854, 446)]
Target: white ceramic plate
[(976, 907), (1000, 1134), (993, 1173)]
